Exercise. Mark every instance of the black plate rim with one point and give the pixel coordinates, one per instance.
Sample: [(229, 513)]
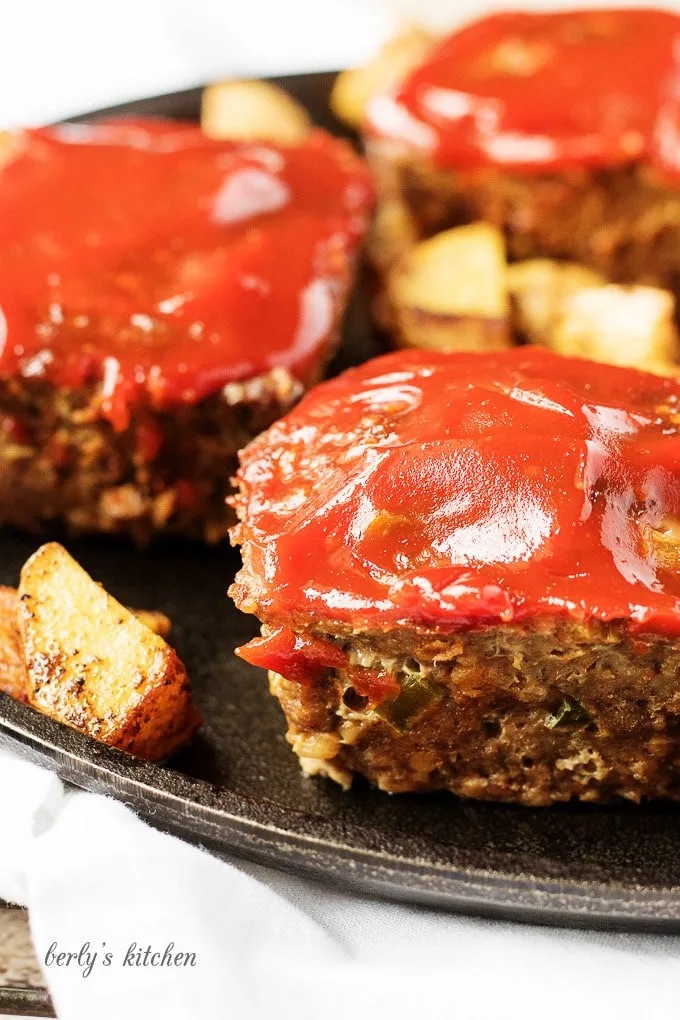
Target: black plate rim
[(147, 789)]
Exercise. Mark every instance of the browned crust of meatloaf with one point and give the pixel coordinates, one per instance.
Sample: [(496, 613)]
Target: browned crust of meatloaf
[(623, 222), (530, 715), (60, 462)]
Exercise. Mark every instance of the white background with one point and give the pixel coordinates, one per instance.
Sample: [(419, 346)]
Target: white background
[(61, 57)]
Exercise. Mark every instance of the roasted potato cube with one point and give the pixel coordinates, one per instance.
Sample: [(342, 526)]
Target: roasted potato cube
[(538, 289), (252, 110), (457, 272), (619, 326), (93, 665), (353, 89), (159, 623), (449, 293), (13, 678)]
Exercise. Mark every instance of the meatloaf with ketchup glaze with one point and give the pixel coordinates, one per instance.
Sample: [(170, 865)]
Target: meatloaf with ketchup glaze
[(467, 571), (561, 128), (164, 296)]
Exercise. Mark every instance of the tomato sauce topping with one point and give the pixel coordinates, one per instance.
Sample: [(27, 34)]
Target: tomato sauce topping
[(301, 659), (457, 491), (544, 91), (140, 254), (305, 659)]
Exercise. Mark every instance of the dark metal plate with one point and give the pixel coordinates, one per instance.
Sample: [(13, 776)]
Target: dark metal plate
[(238, 787)]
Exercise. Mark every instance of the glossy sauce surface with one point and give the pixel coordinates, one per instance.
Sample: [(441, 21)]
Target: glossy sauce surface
[(140, 254), (455, 491), (544, 91)]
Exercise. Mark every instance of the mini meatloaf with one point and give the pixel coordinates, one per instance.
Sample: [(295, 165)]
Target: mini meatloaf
[(164, 296), (561, 128), (467, 571)]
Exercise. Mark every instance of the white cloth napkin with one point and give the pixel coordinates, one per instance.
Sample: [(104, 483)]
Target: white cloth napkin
[(267, 944)]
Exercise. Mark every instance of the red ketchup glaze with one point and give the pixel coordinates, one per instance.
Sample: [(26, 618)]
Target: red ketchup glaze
[(544, 91), (457, 491), (304, 660), (143, 255)]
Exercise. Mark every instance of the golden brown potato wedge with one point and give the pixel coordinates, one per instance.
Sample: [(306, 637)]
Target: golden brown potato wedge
[(449, 292), (13, 677), (619, 325), (159, 623), (538, 289), (93, 665), (253, 110), (353, 89)]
